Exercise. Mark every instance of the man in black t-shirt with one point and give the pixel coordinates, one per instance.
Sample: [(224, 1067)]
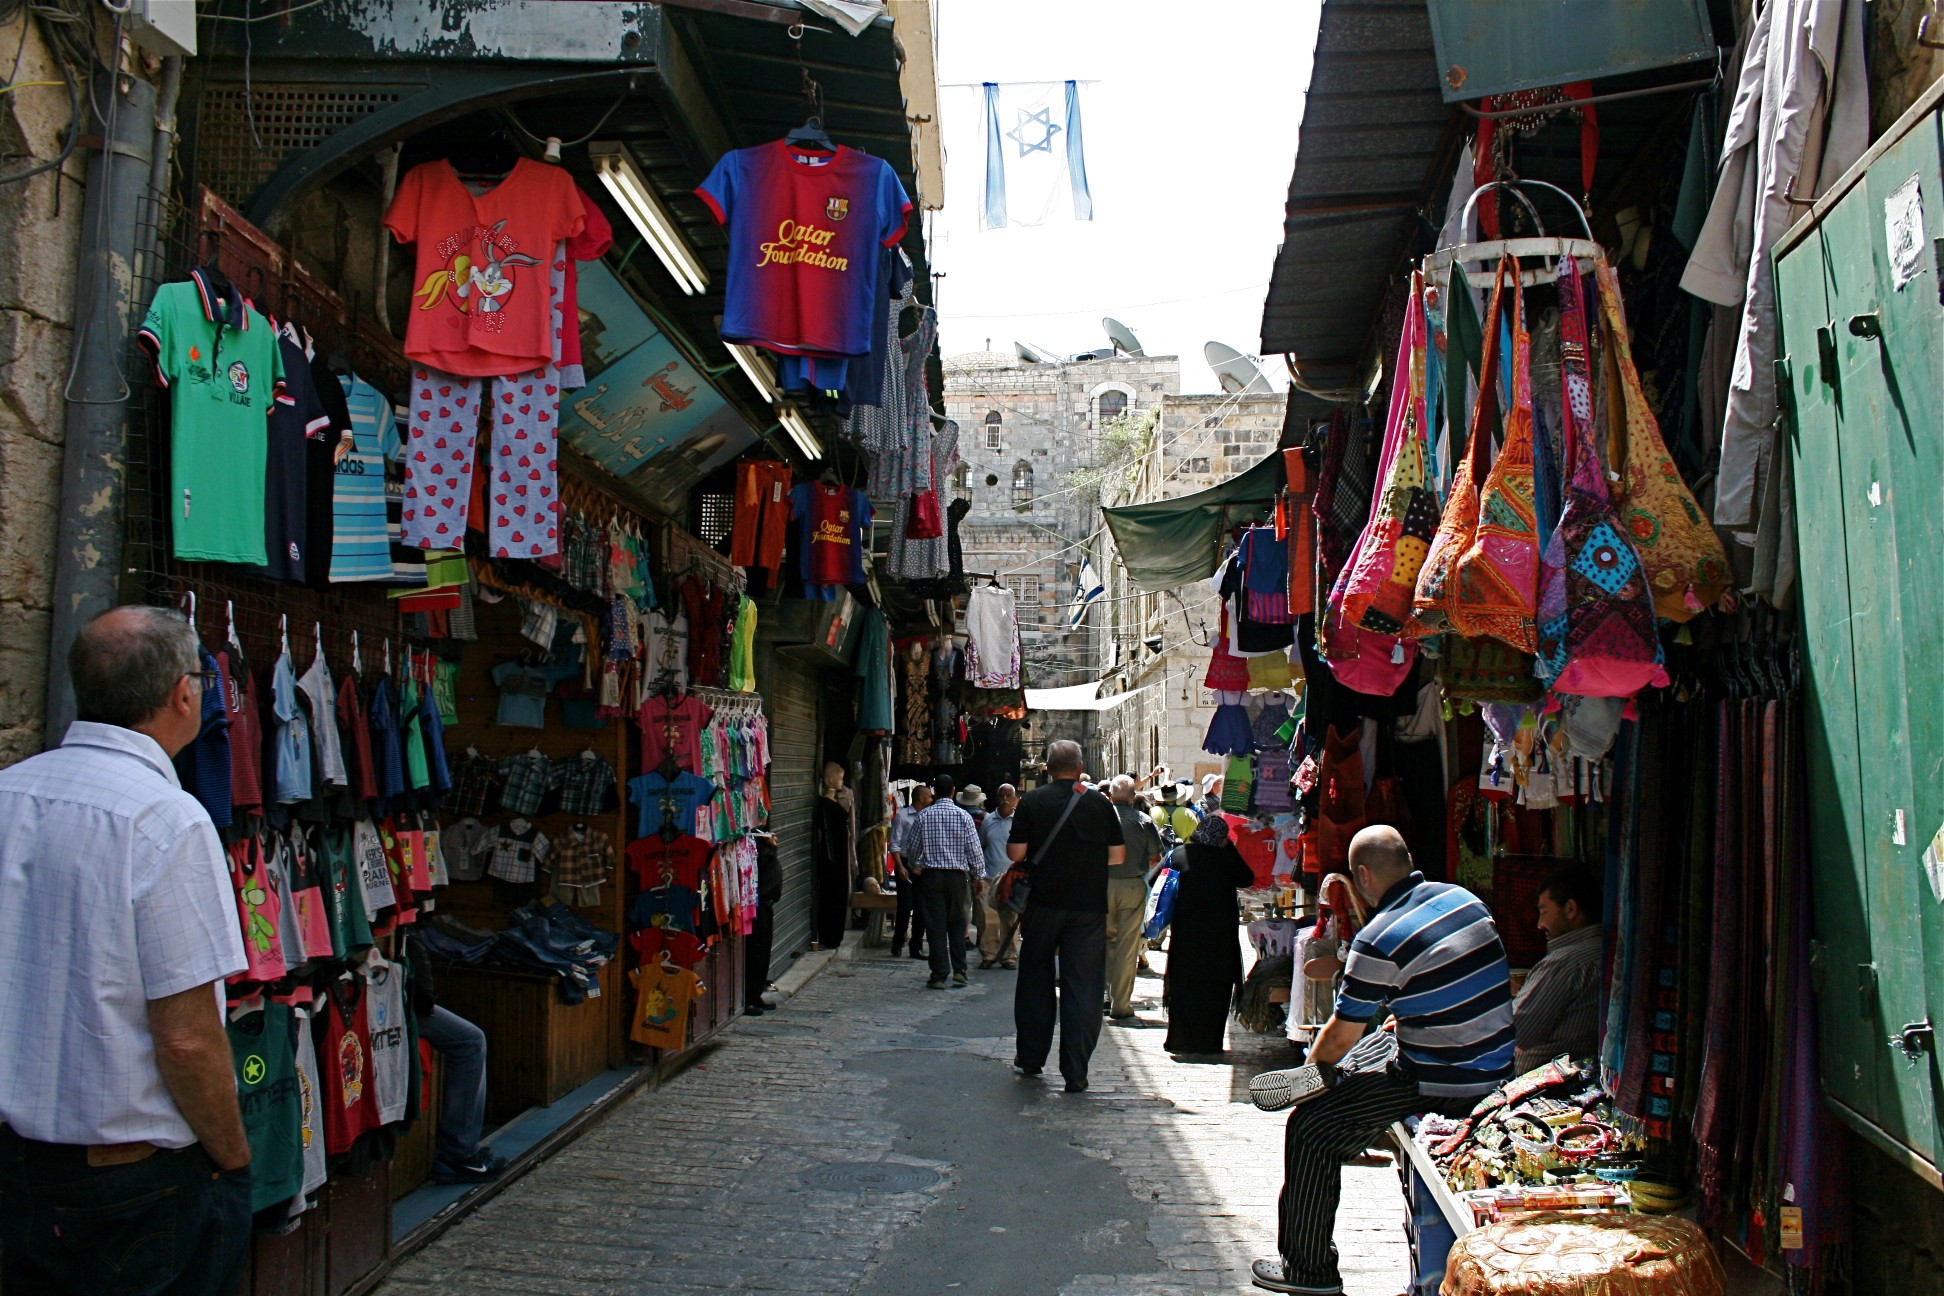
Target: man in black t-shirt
[(1066, 915)]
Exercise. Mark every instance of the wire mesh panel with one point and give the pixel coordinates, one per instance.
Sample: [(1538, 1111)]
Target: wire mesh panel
[(244, 134)]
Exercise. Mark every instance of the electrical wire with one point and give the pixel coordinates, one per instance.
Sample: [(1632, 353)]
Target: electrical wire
[(520, 126), (270, 17)]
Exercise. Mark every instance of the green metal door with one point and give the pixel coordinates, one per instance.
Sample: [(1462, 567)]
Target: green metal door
[(1846, 972), (1862, 368), (1906, 189)]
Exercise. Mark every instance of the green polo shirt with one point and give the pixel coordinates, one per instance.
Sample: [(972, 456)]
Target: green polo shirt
[(219, 360)]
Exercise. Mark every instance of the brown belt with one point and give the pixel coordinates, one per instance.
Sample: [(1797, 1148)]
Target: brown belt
[(120, 1154)]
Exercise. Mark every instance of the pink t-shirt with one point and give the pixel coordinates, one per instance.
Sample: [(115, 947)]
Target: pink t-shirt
[(592, 243), (480, 293), (673, 726)]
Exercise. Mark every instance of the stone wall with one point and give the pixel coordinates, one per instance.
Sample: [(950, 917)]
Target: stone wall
[(40, 227)]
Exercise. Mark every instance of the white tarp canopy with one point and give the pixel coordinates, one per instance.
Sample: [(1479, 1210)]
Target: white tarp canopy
[(1075, 697)]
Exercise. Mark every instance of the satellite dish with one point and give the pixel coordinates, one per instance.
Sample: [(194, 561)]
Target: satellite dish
[(1238, 374), (1098, 353), (1031, 354), (1122, 337)]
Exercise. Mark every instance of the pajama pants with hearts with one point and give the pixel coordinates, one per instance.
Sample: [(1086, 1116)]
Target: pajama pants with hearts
[(522, 484)]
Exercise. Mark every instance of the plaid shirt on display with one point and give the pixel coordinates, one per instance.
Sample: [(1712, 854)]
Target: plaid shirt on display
[(473, 781), (585, 782), (528, 780), (513, 855), (580, 861)]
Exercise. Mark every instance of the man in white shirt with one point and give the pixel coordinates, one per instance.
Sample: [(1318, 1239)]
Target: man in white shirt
[(123, 1163)]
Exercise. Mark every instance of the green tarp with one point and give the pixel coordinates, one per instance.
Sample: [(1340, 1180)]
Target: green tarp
[(1175, 542)]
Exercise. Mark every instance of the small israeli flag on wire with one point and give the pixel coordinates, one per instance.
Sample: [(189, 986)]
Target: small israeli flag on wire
[(1036, 158), (1085, 590)]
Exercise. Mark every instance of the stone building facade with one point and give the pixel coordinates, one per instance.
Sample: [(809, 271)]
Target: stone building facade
[(1028, 434), (37, 303)]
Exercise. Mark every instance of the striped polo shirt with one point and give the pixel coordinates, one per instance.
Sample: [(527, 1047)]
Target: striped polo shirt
[(1432, 953)]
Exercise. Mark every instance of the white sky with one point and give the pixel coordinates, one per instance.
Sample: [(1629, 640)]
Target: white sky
[(1191, 125)]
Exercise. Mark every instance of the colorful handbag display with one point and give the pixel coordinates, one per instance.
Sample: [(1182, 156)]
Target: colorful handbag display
[(1364, 661), (1498, 573), (1377, 585), (1597, 634), (1686, 569), (1437, 582)]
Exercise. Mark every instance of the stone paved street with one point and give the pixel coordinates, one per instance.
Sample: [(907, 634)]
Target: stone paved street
[(1161, 1181)]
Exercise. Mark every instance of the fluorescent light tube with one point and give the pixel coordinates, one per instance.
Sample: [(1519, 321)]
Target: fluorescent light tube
[(799, 431), (629, 188), (758, 368)]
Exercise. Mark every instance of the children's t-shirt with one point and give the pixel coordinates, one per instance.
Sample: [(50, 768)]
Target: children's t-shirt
[(804, 234), (665, 649), (259, 909), (482, 304), (831, 524), (350, 1100), (223, 368), (334, 852), (662, 999), (374, 871), (265, 1059), (658, 861), (518, 848), (360, 547), (293, 735), (674, 726), (390, 1059), (523, 694), (657, 798)]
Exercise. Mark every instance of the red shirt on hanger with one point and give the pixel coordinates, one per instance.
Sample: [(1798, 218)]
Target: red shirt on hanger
[(481, 303), (684, 859)]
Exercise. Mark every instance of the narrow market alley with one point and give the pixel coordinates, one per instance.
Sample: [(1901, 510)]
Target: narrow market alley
[(870, 1137)]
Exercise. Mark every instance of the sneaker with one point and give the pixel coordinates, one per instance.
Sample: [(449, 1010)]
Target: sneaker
[(934, 984), (1273, 1275), (1275, 1090), (1023, 1069), (961, 979), (482, 1167)]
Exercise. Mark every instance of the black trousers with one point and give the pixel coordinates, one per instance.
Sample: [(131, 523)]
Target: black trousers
[(945, 896), (170, 1224), (909, 919), (1370, 1093), (1075, 941), (757, 950)]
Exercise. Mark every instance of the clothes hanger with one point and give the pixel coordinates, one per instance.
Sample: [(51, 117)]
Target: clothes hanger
[(317, 628), (283, 632), (190, 597), (357, 658)]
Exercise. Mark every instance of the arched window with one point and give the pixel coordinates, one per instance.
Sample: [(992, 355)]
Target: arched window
[(1022, 489), (1113, 404), (994, 427), (962, 480)]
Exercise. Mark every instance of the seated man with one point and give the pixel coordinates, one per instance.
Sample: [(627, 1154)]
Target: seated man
[(1432, 954), (1558, 1008), (459, 1157)]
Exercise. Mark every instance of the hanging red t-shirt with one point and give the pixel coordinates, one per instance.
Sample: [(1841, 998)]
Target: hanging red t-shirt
[(344, 1066), (481, 300), (832, 524), (648, 944), (684, 859), (676, 726), (591, 244)]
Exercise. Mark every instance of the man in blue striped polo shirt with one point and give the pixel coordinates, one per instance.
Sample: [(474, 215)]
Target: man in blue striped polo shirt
[(1432, 955)]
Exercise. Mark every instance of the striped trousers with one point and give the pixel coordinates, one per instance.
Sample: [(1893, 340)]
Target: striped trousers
[(1323, 1133)]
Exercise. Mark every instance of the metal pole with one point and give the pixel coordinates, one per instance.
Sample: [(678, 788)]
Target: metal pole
[(94, 459)]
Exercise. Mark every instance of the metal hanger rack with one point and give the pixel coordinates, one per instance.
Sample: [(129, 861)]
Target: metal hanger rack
[(1490, 251)]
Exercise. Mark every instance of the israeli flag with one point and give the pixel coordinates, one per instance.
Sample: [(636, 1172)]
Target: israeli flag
[(1085, 590), (1036, 163)]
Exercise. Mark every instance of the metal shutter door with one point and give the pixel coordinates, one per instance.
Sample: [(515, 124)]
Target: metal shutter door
[(789, 689)]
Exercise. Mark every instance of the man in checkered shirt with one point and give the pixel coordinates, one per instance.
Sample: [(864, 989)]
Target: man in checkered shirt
[(118, 1108), (953, 867)]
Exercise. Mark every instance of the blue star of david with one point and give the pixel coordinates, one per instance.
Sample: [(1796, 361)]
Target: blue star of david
[(1047, 130)]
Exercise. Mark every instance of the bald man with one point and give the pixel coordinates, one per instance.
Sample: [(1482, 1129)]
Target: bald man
[(1432, 955)]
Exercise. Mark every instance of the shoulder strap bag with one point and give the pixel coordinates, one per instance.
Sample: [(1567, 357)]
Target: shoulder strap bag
[(1022, 885)]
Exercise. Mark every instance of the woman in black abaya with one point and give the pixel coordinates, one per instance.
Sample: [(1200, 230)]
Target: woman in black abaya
[(1204, 952)]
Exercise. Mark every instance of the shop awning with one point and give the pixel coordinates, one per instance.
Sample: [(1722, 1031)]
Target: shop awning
[(1075, 697), (1175, 542)]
